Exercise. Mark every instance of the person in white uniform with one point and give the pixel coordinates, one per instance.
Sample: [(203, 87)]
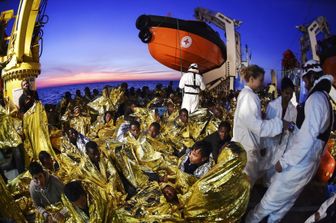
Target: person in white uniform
[(283, 108), (192, 84), (300, 161), (248, 125)]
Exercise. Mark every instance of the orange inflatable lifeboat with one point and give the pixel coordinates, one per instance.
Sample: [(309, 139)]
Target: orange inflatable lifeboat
[(177, 43)]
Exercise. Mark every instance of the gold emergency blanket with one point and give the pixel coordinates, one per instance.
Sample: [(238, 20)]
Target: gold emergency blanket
[(81, 124), (145, 153), (149, 205), (147, 116), (203, 123), (69, 168), (52, 209), (117, 96), (19, 189), (178, 134), (8, 208), (170, 118), (9, 137), (102, 104), (222, 194), (126, 161), (165, 149), (100, 207), (198, 121), (35, 127), (103, 131), (106, 178)]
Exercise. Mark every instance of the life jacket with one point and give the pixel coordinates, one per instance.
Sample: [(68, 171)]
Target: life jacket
[(323, 86)]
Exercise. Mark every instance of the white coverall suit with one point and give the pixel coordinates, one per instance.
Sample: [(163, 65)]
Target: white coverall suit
[(248, 127), (299, 162), (192, 84), (276, 146)]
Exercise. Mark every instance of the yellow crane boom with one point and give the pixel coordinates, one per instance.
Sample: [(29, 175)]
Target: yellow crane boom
[(22, 58)]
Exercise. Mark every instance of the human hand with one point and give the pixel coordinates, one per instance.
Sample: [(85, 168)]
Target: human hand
[(49, 219), (58, 217), (317, 216), (291, 127), (163, 179), (285, 124), (278, 167)]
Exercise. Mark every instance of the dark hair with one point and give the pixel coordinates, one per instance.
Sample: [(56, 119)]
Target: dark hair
[(67, 94), (87, 89), (136, 123), (225, 124), (156, 125), (204, 147), (252, 71), (286, 83), (73, 190), (127, 114), (91, 145), (210, 104), (35, 168), (43, 155), (108, 112), (183, 110), (124, 85)]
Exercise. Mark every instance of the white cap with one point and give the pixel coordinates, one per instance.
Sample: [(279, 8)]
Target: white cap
[(193, 68), (311, 65)]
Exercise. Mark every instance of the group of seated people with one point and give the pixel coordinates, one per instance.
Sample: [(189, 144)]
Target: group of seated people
[(139, 165), (110, 159)]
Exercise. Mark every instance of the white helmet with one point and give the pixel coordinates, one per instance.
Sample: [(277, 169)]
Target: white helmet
[(311, 65), (193, 68)]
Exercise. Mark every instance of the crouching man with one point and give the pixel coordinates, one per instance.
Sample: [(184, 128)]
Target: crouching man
[(45, 190)]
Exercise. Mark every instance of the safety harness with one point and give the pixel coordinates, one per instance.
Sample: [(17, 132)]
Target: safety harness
[(323, 86), (194, 86)]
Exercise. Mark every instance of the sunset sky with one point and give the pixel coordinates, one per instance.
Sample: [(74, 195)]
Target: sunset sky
[(95, 41)]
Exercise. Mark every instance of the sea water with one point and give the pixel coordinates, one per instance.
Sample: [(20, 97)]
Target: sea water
[(53, 95)]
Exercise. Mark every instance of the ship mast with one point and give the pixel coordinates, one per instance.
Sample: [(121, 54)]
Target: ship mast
[(231, 67), (308, 41)]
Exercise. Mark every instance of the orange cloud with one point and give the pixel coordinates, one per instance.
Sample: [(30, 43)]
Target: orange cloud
[(69, 79)]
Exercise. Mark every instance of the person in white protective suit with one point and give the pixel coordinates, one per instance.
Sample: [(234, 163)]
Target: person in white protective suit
[(248, 125), (192, 84), (301, 159), (283, 108), (326, 213)]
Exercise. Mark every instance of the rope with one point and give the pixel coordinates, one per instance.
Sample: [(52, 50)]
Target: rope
[(179, 42)]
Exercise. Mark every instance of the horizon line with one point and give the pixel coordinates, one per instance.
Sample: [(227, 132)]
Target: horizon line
[(46, 85)]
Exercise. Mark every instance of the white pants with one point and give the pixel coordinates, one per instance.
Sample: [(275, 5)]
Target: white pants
[(252, 168), (190, 102), (282, 194)]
